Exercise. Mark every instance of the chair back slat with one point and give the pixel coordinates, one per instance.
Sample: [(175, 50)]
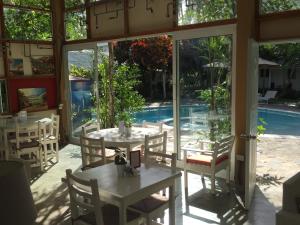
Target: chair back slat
[(54, 126), (84, 196), (224, 146), (158, 125), (90, 127), (92, 150), (155, 151), (156, 142)]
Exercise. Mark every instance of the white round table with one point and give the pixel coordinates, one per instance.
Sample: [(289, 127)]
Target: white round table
[(113, 138)]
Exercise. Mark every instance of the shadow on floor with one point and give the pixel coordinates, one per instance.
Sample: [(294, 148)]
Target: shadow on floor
[(53, 207), (268, 180), (224, 205), (221, 208)]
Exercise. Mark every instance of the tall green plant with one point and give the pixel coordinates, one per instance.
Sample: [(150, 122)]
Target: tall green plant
[(125, 97)]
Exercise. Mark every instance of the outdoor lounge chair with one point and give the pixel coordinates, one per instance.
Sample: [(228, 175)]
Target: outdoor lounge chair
[(269, 95)]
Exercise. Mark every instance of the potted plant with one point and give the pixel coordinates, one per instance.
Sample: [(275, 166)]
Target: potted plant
[(120, 162), (125, 119)]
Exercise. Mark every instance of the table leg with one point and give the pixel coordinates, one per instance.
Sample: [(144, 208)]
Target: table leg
[(172, 204), (122, 214)]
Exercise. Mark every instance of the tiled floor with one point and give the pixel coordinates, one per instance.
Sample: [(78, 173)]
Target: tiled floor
[(51, 199)]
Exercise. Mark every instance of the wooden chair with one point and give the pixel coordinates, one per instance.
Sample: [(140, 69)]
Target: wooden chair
[(87, 207), (93, 152), (208, 162), (50, 140), (90, 127), (155, 205), (27, 145), (95, 126)]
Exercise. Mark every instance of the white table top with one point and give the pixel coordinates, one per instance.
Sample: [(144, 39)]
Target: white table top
[(110, 184), (10, 123), (112, 135)]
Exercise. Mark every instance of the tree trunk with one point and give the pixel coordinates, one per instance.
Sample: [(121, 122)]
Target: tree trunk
[(164, 84), (111, 94)]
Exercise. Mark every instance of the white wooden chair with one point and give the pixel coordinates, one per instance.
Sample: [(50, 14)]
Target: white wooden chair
[(2, 147), (27, 145), (268, 95), (90, 127), (87, 207), (50, 140), (208, 162), (155, 205), (157, 125), (93, 152)]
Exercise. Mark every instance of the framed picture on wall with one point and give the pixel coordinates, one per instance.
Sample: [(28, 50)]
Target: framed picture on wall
[(42, 65), (16, 67), (32, 99)]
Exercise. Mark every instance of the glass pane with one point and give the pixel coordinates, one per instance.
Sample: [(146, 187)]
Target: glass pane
[(3, 97), (43, 4), (205, 89), (153, 56), (73, 3), (195, 11), (76, 25), (27, 25), (270, 6), (81, 83)]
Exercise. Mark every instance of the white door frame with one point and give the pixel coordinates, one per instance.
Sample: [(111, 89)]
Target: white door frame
[(66, 49), (201, 33)]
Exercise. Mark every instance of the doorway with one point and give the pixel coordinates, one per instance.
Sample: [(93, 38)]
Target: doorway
[(279, 118)]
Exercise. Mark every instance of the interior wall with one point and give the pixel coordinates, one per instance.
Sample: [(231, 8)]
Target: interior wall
[(108, 20), (158, 16), (26, 51)]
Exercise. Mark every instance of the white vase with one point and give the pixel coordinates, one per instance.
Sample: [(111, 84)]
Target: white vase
[(121, 127), (127, 131)]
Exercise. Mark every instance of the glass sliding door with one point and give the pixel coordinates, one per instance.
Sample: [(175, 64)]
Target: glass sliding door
[(81, 83), (204, 77)]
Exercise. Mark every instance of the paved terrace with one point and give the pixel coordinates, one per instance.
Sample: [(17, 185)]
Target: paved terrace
[(278, 159)]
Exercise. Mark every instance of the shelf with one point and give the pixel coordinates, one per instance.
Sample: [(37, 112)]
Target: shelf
[(46, 76)]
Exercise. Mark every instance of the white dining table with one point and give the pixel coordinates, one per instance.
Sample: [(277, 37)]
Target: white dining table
[(125, 191), (8, 125), (113, 137)]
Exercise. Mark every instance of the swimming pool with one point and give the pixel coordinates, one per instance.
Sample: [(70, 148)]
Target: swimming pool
[(278, 121)]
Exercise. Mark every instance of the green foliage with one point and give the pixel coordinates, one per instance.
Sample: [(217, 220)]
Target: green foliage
[(27, 25), (73, 3), (222, 97), (205, 11), (83, 72), (126, 99), (269, 6), (43, 4), (75, 25), (261, 126)]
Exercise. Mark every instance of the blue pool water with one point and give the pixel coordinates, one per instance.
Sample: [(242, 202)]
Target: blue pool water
[(277, 121)]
